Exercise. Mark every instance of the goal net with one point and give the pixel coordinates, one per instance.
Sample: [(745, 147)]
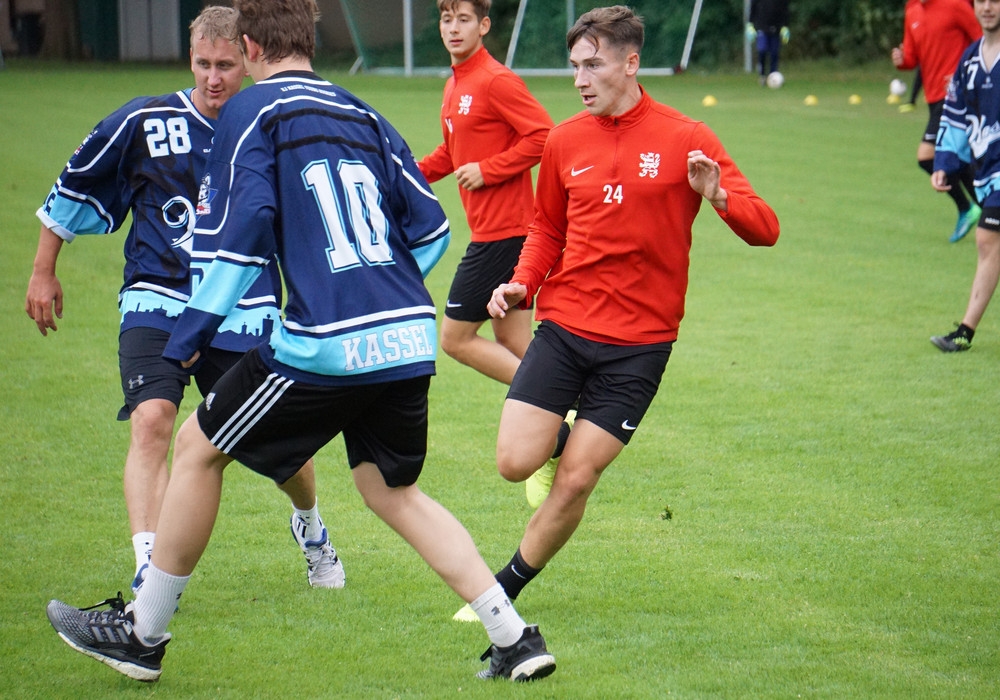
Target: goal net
[(403, 35), (395, 35), (538, 41)]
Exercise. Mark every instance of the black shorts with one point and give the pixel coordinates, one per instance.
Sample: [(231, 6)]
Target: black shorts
[(146, 375), (273, 424), (933, 121), (615, 383), (483, 268), (990, 218)]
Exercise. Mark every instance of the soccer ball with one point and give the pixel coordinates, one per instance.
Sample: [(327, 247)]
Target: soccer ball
[(775, 80), (897, 87)]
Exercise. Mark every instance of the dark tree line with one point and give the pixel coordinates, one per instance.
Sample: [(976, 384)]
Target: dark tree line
[(855, 30)]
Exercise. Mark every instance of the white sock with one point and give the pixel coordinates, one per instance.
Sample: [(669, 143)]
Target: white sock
[(156, 603), (314, 524), (142, 543), (497, 613)]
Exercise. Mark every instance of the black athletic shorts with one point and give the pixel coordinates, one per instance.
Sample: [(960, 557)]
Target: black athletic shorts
[(273, 424), (146, 375), (990, 218), (483, 268), (933, 121), (615, 383)]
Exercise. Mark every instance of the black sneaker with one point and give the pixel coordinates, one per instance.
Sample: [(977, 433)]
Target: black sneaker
[(956, 341), (525, 660), (106, 635)]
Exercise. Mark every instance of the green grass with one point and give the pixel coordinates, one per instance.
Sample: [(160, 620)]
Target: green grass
[(832, 478)]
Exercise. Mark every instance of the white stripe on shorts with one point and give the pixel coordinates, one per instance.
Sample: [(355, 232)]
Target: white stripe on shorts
[(251, 411)]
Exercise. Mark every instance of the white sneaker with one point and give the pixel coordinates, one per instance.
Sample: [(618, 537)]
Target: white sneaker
[(325, 567)]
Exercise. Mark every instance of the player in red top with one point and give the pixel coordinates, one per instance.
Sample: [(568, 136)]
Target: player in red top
[(494, 130), (618, 189), (935, 34)]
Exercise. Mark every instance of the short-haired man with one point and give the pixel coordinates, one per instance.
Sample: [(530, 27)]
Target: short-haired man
[(146, 158), (610, 240), (970, 120), (494, 131)]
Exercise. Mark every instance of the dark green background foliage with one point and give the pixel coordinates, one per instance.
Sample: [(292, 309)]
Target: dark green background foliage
[(855, 31)]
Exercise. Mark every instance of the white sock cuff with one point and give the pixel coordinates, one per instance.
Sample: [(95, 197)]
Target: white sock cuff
[(156, 602), (307, 514), (314, 523), (142, 543), (502, 622), (495, 591)]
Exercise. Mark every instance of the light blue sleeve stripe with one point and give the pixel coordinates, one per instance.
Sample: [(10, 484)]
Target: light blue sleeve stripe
[(427, 256), (952, 148), (75, 217), (222, 286)]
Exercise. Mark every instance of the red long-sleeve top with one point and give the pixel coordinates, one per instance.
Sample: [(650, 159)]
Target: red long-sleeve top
[(935, 34), (610, 242), (488, 116)]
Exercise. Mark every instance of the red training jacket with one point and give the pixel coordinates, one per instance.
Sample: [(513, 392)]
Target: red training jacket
[(609, 245), (488, 116)]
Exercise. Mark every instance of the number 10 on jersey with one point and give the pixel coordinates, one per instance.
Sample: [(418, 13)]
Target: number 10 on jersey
[(359, 234)]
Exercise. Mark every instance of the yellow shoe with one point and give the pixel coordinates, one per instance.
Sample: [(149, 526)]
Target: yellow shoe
[(906, 107), (466, 614), (538, 485)]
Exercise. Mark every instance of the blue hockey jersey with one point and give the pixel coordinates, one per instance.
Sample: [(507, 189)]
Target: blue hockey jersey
[(305, 171), (970, 123), (147, 157)]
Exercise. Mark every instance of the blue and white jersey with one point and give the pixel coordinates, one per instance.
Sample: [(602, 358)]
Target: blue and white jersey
[(970, 123), (305, 171), (147, 157)]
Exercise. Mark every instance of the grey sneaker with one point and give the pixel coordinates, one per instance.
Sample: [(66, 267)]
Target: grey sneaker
[(525, 660), (956, 341), (107, 635), (325, 567)]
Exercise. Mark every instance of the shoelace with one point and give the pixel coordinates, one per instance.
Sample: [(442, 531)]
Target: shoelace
[(115, 613)]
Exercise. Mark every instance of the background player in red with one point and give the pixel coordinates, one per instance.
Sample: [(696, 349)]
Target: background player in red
[(610, 239), (935, 34), (494, 131)]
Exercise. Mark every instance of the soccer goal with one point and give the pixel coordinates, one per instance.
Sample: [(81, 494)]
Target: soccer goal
[(538, 47), (402, 36)]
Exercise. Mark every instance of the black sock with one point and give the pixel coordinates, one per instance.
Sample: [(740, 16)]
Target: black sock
[(957, 194), (561, 440), (968, 177), (515, 576), (964, 330)]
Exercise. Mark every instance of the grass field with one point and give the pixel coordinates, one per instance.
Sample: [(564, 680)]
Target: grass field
[(832, 478)]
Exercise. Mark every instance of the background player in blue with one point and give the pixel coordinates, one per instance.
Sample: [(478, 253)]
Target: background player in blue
[(147, 157), (309, 173), (970, 133)]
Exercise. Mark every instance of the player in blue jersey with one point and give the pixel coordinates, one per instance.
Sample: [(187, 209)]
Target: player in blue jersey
[(304, 172), (970, 133), (147, 158)]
